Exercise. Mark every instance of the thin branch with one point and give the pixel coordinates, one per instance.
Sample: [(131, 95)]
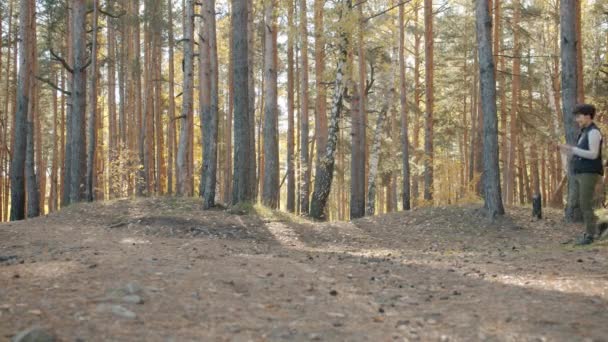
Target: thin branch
[(53, 85), (62, 61), (86, 65), (385, 11), (359, 3), (112, 15)]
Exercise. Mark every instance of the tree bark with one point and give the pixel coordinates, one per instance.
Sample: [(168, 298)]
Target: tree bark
[(242, 187), (375, 153), (112, 127), (31, 181), (53, 204), (161, 165), (79, 87), (569, 63), (417, 99), (210, 120), (291, 179), (428, 136), (405, 141), (580, 75), (251, 103), (172, 119), (325, 169), (91, 131), (183, 149), (492, 193), (270, 192), (305, 171), (321, 101), (8, 98)]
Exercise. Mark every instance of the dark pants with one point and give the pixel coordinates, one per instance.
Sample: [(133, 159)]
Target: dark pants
[(586, 190)]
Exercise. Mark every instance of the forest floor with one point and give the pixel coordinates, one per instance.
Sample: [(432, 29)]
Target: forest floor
[(163, 270)]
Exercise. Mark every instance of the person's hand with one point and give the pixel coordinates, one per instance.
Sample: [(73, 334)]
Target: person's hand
[(565, 148)]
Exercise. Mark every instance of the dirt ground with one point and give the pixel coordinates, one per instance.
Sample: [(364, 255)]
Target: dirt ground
[(163, 270)]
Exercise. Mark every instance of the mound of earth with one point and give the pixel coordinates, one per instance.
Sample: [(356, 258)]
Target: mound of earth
[(164, 270)]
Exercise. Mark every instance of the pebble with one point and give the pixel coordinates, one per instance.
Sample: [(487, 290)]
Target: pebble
[(34, 334), (122, 312), (132, 299)]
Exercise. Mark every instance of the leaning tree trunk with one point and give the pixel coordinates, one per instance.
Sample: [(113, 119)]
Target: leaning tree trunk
[(569, 93), (325, 168), (20, 126), (182, 152), (491, 179), (270, 192)]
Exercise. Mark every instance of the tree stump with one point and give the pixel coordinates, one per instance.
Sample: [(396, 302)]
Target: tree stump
[(537, 204)]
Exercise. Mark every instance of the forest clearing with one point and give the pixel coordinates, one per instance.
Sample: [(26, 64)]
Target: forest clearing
[(303, 170), (161, 270)]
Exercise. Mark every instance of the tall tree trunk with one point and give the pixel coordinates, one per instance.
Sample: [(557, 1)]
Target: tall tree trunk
[(31, 181), (62, 139), (305, 171), (358, 131), (69, 79), (405, 141), (54, 163), (515, 105), (492, 193), (429, 70), (3, 117), (325, 169), (569, 93), (270, 193), (242, 187), (504, 141), (479, 142), (161, 165), (8, 98), (291, 179), (228, 133), (112, 127), (362, 69), (171, 129), (210, 121), (251, 92), (183, 149), (375, 153), (204, 99), (417, 99), (146, 114), (580, 75), (91, 124), (124, 93), (321, 102), (79, 76)]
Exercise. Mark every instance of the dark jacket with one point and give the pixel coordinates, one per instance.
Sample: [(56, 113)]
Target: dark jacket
[(582, 165)]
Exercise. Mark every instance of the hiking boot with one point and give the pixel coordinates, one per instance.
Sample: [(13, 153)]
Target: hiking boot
[(584, 240)]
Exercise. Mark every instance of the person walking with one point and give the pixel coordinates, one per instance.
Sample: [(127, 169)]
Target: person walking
[(586, 159)]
